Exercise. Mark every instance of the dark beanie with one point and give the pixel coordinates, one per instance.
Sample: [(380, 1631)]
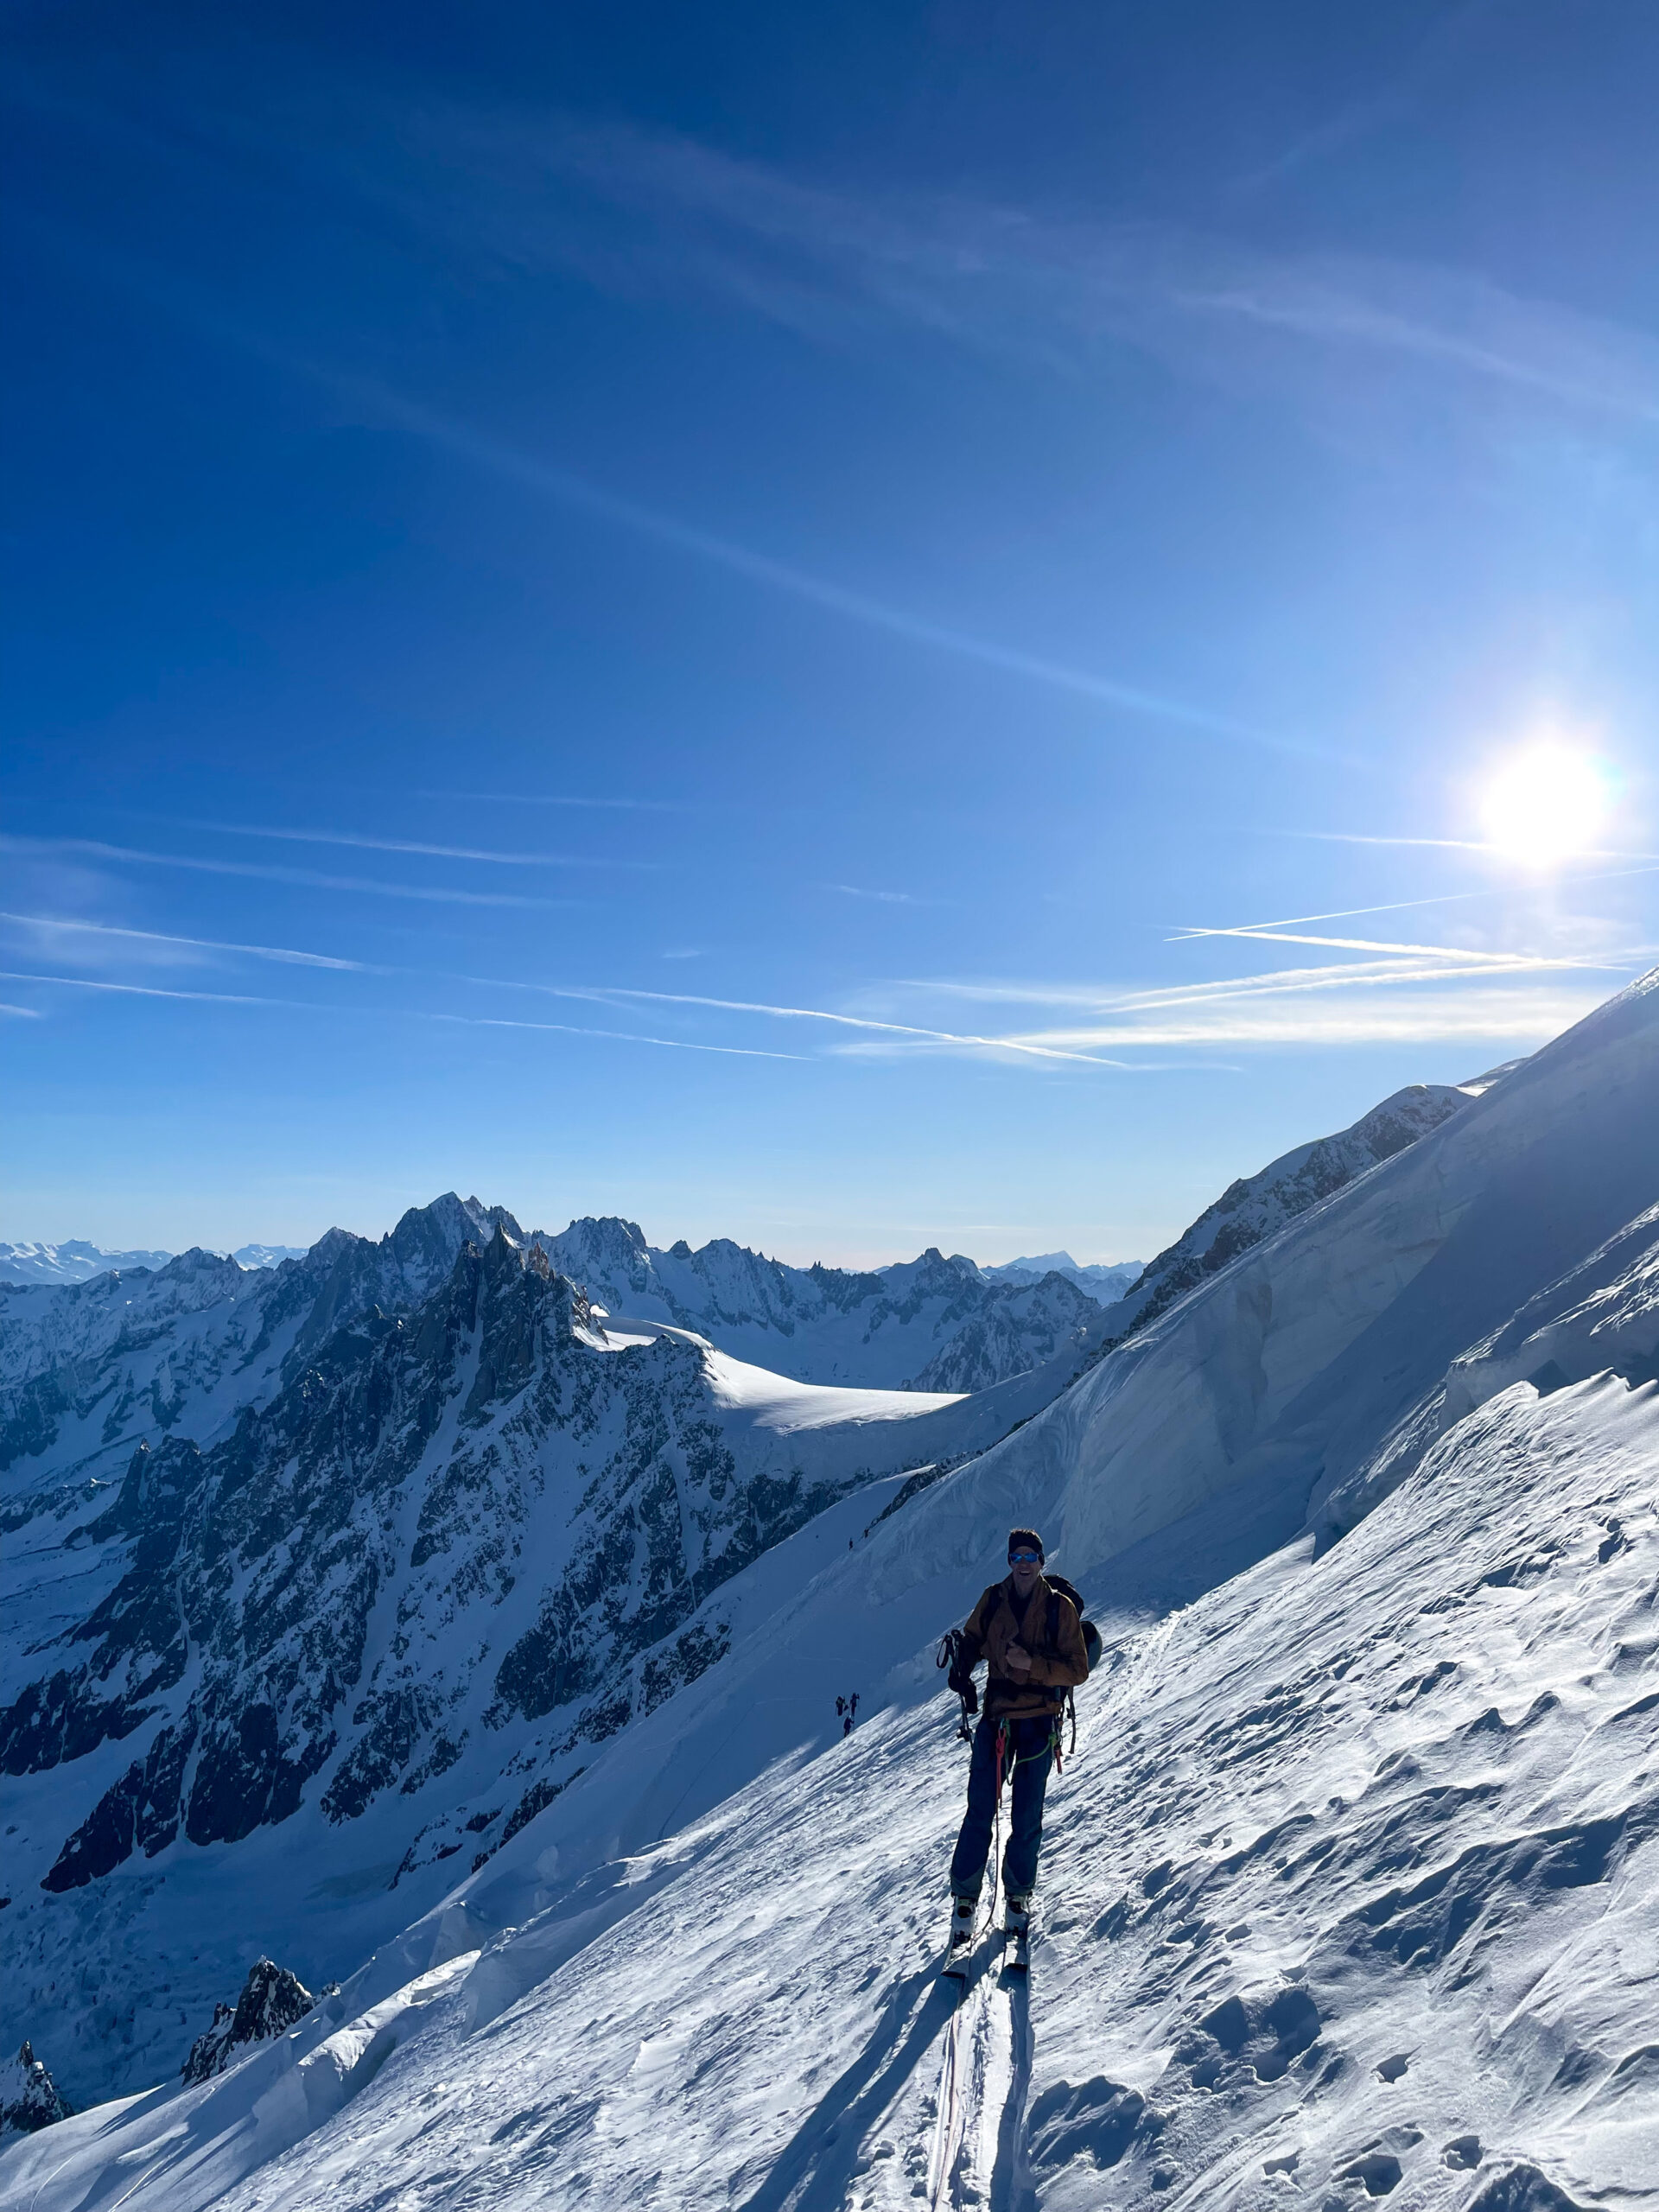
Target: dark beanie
[(1026, 1539)]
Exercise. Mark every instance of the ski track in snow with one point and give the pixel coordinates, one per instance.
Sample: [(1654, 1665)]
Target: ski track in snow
[(1358, 1867)]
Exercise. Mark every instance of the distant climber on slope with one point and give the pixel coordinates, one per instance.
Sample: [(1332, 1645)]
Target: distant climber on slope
[(1030, 1634)]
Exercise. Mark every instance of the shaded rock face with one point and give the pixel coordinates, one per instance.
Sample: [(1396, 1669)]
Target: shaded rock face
[(450, 1522), (29, 2098), (272, 2000)]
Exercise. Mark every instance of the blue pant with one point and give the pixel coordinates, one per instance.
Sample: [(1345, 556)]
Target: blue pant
[(1029, 1753)]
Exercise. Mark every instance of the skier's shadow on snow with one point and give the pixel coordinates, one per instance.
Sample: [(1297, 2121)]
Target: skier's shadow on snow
[(826, 2145)]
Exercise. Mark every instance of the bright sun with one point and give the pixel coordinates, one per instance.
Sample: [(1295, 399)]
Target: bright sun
[(1545, 803)]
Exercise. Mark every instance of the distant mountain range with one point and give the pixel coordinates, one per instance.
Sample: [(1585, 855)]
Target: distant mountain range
[(1109, 1279), (76, 1260)]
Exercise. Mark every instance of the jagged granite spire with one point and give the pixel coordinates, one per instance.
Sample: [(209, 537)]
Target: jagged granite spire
[(29, 2098), (272, 2000)]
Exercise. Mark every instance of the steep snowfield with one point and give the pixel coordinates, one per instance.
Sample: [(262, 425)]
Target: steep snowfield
[(1257, 1205), (1353, 1883)]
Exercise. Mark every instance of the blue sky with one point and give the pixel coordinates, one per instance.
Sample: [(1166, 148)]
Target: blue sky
[(684, 612)]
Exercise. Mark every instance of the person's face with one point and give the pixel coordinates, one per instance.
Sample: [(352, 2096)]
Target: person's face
[(1025, 1567)]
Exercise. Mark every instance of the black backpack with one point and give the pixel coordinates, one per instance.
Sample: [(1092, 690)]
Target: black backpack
[(1058, 1587)]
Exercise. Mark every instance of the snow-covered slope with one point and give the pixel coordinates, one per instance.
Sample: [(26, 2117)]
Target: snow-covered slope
[(1352, 1886), (1257, 1205)]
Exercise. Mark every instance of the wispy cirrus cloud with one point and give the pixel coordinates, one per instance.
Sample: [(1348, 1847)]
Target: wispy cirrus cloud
[(304, 879), (1405, 991), (144, 990), (915, 1033), (882, 897), (389, 1014), (560, 798), (634, 211), (1404, 1016), (535, 473)]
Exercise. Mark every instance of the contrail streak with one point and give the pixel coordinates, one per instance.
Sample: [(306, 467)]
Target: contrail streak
[(303, 878), (571, 491), (1264, 933), (389, 1014), (798, 1014), (407, 845), (200, 944), (620, 1037), (155, 991)]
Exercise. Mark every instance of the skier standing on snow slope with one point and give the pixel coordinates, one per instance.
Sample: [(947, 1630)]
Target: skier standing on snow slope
[(1030, 1634)]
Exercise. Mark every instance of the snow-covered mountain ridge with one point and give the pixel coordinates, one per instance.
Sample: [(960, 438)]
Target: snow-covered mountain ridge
[(1351, 1889), (1104, 1278), (76, 1260), (1257, 1205), (929, 1324)]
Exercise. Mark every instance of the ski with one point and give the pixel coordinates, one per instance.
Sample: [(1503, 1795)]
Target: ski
[(957, 1960)]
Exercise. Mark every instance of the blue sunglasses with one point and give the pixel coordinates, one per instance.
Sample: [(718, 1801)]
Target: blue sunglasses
[(1024, 1559)]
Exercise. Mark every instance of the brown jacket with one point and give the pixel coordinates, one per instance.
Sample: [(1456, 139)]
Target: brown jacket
[(1057, 1663)]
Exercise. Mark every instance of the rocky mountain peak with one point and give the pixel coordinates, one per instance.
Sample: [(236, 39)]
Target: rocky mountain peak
[(272, 2001), (29, 2098)]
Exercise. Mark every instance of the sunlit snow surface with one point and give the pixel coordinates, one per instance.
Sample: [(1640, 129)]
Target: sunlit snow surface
[(774, 1402), (1354, 1874), (1351, 1893)]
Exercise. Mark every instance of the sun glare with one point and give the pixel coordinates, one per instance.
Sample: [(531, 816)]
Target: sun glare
[(1545, 803)]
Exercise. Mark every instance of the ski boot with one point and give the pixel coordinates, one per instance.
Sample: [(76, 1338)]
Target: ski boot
[(963, 1911), (1016, 1931)]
